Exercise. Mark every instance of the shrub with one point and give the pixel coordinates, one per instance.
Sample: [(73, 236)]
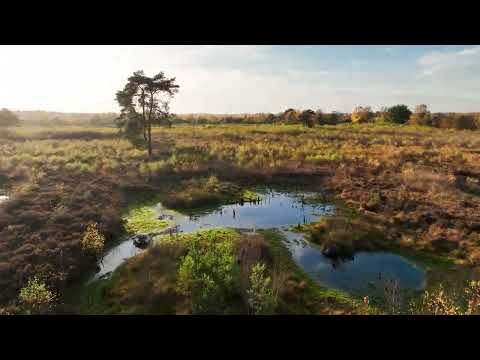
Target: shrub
[(420, 119), (308, 118), (331, 118), (362, 114), (421, 116), (438, 303), (261, 298), (456, 121), (382, 119), (399, 114), (212, 184), (207, 274), (8, 118), (476, 121), (93, 241), (472, 296), (36, 297)]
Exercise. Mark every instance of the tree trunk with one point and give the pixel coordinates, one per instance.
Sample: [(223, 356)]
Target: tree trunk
[(143, 116), (149, 140), (149, 124)]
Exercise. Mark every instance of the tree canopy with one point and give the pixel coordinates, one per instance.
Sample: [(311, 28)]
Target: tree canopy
[(308, 118), (145, 101), (8, 118), (399, 114)]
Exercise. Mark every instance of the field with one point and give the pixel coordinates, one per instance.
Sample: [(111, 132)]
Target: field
[(418, 186)]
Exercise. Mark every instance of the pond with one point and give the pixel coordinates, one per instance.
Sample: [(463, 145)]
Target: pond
[(276, 209), (365, 274), (362, 275)]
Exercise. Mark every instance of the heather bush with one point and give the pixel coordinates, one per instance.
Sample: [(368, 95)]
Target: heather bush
[(439, 302), (355, 161), (456, 121)]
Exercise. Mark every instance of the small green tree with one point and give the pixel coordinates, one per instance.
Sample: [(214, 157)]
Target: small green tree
[(93, 241), (207, 274), (260, 295), (399, 114), (308, 118), (36, 298), (290, 116)]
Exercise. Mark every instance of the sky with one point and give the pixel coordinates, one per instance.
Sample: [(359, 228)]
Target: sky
[(244, 79)]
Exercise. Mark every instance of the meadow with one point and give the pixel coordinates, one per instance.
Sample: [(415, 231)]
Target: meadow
[(418, 186)]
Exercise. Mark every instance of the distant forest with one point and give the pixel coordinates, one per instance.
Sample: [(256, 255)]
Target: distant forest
[(420, 116), (48, 118)]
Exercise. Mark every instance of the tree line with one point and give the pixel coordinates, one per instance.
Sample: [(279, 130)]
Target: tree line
[(54, 119), (141, 110)]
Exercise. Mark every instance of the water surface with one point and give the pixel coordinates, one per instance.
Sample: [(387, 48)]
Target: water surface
[(363, 275), (274, 211)]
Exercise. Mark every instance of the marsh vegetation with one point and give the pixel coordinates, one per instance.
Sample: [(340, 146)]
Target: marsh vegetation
[(409, 190)]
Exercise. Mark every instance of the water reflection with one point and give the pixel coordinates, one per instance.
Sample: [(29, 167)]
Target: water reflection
[(269, 212), (363, 274), (281, 210)]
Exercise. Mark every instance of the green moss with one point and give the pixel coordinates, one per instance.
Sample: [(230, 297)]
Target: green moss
[(141, 220), (250, 196), (217, 234)]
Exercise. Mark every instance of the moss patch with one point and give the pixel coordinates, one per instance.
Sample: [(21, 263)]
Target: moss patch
[(250, 196), (217, 234), (142, 220)]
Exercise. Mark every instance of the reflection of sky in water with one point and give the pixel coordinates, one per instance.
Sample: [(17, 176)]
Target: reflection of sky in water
[(116, 256), (280, 210), (3, 198), (275, 210), (358, 275)]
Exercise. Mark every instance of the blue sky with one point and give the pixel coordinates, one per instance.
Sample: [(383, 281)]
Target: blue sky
[(241, 79)]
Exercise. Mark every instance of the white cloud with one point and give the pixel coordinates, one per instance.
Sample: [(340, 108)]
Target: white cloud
[(234, 78), (447, 61), (302, 75)]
